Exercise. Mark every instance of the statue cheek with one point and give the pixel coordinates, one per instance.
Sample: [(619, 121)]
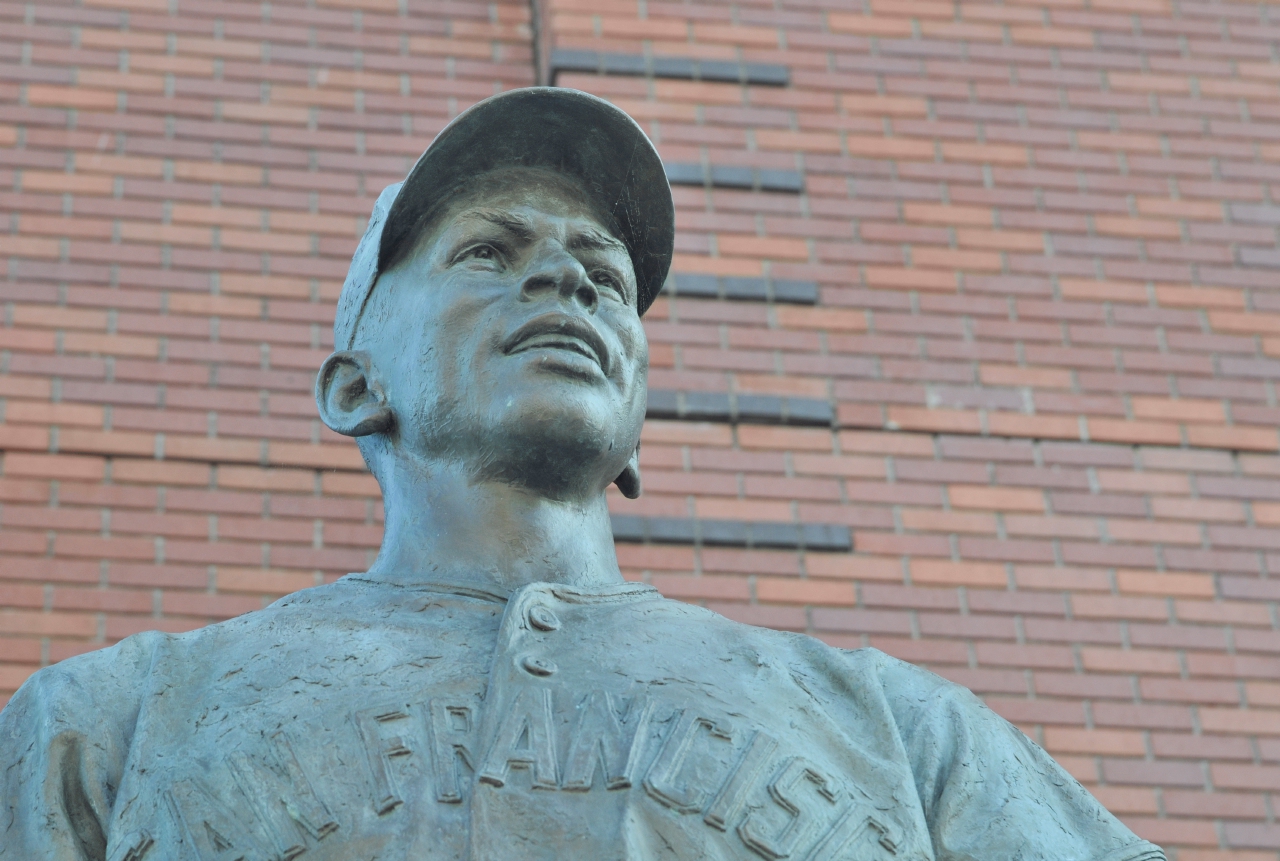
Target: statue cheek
[(631, 336), (638, 351)]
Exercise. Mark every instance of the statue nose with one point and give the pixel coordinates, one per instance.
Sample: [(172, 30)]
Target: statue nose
[(558, 272)]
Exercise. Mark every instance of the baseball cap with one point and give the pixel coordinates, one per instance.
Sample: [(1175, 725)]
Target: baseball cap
[(577, 134)]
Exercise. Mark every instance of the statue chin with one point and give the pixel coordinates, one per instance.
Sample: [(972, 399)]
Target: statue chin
[(560, 459), (558, 438)]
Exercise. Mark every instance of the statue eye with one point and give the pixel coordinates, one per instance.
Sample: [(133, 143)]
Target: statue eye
[(605, 278), (489, 254), (483, 251)]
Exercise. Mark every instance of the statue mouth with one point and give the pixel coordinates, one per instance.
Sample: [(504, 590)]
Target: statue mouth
[(560, 332)]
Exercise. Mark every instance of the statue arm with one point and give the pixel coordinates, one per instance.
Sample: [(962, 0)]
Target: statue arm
[(64, 738), (990, 792)]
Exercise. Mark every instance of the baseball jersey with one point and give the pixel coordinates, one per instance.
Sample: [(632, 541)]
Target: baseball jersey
[(366, 720)]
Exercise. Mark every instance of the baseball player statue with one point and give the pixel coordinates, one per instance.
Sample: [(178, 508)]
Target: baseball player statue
[(492, 689)]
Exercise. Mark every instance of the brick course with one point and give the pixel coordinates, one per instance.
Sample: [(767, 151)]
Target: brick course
[(1039, 378)]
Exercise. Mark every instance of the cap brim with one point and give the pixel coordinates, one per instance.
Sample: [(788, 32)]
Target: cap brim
[(572, 132)]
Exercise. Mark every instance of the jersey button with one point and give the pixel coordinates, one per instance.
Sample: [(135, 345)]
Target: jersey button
[(543, 619), (537, 666)]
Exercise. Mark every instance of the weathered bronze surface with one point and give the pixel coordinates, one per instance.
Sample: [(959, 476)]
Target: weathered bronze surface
[(492, 688)]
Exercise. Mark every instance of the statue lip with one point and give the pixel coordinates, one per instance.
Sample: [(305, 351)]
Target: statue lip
[(563, 332)]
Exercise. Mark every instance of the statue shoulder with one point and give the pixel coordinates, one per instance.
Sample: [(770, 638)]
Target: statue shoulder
[(110, 681), (923, 704), (988, 790), (906, 686), (64, 738), (83, 683), (898, 678), (866, 678)]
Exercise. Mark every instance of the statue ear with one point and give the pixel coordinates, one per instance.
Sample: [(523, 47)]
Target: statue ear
[(629, 481), (350, 399)]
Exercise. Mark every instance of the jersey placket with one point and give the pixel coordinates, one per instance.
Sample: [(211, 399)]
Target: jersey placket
[(530, 801)]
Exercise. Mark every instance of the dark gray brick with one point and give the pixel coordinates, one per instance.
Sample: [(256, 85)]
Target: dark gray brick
[(564, 60), (696, 285), (760, 409), (624, 64), (796, 292), (807, 411), (750, 289), (827, 536), (672, 530), (662, 404), (732, 176), (759, 74), (632, 529), (781, 180), (744, 289), (628, 528), (684, 173), (775, 535), (748, 409), (719, 70), (724, 533), (674, 67), (766, 74), (706, 406), (735, 176)]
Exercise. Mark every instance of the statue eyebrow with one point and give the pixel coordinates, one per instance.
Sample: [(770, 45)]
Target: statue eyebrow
[(517, 224), (588, 238), (584, 238)]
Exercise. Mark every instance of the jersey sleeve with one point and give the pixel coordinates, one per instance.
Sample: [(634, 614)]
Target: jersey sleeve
[(988, 791), (64, 738)]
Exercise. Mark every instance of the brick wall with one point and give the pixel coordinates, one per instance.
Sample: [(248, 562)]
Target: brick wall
[(995, 297)]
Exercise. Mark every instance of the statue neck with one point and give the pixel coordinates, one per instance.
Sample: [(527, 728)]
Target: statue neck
[(442, 525)]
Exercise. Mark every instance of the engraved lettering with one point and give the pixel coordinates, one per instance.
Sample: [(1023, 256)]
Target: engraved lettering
[(663, 781), (450, 729), (133, 847), (729, 801), (525, 740), (216, 833), (601, 736), (841, 842), (374, 726), (784, 789), (277, 785)]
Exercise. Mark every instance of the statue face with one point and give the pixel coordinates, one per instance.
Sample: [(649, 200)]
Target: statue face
[(509, 338)]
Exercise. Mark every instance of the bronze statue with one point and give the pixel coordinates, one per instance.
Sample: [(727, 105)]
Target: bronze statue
[(492, 688)]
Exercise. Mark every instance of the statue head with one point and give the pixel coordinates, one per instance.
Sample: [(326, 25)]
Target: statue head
[(491, 316)]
